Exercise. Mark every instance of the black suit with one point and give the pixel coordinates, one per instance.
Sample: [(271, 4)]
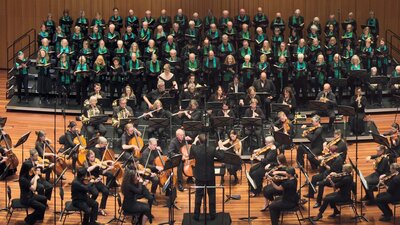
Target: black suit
[(381, 167), (316, 147), (392, 195), (28, 198), (174, 149), (81, 200), (268, 87), (205, 175), (43, 186), (345, 186), (257, 172)]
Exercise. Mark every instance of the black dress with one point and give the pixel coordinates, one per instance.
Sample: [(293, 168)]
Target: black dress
[(130, 205)]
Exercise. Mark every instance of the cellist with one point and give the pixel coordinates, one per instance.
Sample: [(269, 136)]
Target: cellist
[(130, 133), (3, 164)]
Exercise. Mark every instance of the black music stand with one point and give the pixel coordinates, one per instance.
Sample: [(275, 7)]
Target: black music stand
[(167, 102), (21, 141), (130, 119), (104, 102), (365, 185), (382, 140), (99, 119), (317, 105), (236, 96), (193, 126), (221, 122), (157, 123), (284, 139), (357, 76), (251, 122), (3, 121), (231, 159), (92, 142), (171, 163), (214, 105), (307, 183), (251, 182), (346, 111), (278, 107)]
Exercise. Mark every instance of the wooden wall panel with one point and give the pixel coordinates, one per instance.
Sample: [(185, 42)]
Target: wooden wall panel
[(22, 15)]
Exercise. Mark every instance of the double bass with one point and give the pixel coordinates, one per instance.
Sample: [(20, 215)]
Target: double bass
[(60, 160), (159, 161), (189, 163), (12, 160)]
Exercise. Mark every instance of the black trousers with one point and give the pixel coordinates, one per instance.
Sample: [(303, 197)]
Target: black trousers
[(137, 207), (22, 80), (90, 130), (136, 84), (332, 199), (90, 209), (97, 188), (257, 172), (45, 188), (383, 200), (38, 203), (151, 83), (269, 192), (276, 207), (200, 194), (330, 113), (253, 131), (115, 87), (314, 180), (300, 84), (372, 181), (301, 151)]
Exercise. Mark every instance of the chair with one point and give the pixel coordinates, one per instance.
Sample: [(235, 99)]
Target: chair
[(14, 204), (295, 210), (68, 208), (122, 214), (351, 203), (395, 205)]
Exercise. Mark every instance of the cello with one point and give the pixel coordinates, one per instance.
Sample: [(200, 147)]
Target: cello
[(189, 163), (79, 139), (138, 142), (12, 160), (60, 161), (163, 174)]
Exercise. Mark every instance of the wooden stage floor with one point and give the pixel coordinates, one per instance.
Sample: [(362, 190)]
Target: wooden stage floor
[(19, 123)]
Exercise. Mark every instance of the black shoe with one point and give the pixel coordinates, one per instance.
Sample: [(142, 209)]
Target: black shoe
[(180, 187), (369, 203), (335, 214), (385, 218), (264, 209), (318, 217), (190, 180), (317, 205), (365, 198), (308, 196)]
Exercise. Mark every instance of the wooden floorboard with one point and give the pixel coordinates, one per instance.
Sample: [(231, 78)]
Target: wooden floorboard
[(20, 123)]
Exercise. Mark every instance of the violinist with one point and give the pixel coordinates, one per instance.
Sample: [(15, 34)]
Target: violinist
[(80, 197), (254, 112), (174, 148), (287, 98), (257, 171), (337, 141), (130, 133), (123, 111), (314, 134), (358, 102), (381, 167), (95, 168), (327, 96), (269, 191), (30, 165), (394, 140), (89, 111), (40, 146), (290, 196), (69, 136), (330, 164), (342, 181), (392, 194), (158, 132), (132, 188), (233, 145), (28, 186), (4, 171), (147, 161), (283, 125)]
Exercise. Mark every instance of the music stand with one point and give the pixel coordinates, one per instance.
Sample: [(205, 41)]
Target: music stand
[(130, 119), (317, 105), (99, 119), (104, 102), (284, 139), (167, 102), (382, 140), (92, 142), (251, 182), (21, 141), (3, 121), (171, 163), (193, 125), (346, 111), (231, 159), (365, 185), (278, 107), (185, 103), (357, 75), (221, 122), (251, 122), (307, 183), (214, 105)]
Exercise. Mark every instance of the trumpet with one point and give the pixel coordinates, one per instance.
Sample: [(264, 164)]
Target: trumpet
[(255, 114), (358, 100)]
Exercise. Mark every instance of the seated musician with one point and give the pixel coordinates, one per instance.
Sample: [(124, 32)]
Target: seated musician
[(284, 125), (41, 144), (251, 93), (97, 92), (232, 145), (257, 172), (375, 90), (43, 187), (191, 93), (254, 112), (80, 197), (100, 147), (4, 170), (290, 196), (342, 181), (332, 162), (358, 102), (269, 191), (28, 185), (287, 98), (153, 95), (265, 85), (174, 148), (95, 168), (314, 134), (68, 142), (89, 111), (381, 167), (130, 133), (328, 97), (235, 86), (122, 111), (132, 188), (225, 112), (129, 94), (394, 140), (392, 194), (192, 113), (395, 87), (149, 154), (159, 132)]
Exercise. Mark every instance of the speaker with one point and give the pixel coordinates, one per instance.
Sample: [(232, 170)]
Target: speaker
[(220, 219)]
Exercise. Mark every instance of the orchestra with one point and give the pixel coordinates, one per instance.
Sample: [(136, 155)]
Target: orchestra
[(173, 69)]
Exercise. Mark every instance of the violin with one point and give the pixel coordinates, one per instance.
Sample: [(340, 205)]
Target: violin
[(309, 130), (260, 151)]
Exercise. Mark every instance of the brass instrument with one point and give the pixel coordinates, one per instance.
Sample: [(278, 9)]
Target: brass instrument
[(358, 100), (261, 151), (254, 114), (309, 130), (93, 111), (123, 114)]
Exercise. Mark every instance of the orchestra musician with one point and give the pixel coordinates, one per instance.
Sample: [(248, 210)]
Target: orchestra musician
[(43, 187), (328, 97), (80, 197), (257, 172), (123, 111), (392, 194), (154, 95), (381, 167), (100, 147), (204, 173), (342, 181), (265, 85), (192, 113), (285, 126), (290, 196), (151, 152), (331, 163), (68, 141), (394, 141), (130, 133), (233, 145), (374, 90), (132, 189), (254, 112), (97, 92), (358, 102), (174, 148), (314, 134), (40, 146), (269, 191), (28, 185), (88, 112), (224, 112), (96, 168), (160, 112), (4, 170), (287, 98)]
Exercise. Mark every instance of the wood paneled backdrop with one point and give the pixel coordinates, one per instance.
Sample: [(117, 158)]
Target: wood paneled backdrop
[(18, 16)]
